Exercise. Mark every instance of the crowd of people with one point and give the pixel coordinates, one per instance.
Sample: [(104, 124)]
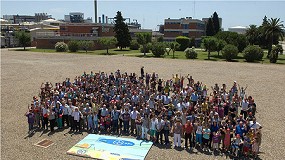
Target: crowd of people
[(217, 118)]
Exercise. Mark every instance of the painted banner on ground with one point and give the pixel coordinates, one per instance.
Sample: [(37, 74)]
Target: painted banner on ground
[(111, 148)]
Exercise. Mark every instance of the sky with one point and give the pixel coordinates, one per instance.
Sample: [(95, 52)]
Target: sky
[(152, 13)]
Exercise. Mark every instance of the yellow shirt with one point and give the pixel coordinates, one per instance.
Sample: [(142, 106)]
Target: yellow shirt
[(204, 107)]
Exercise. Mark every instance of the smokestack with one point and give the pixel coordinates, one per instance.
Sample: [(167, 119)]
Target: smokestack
[(106, 19), (95, 9), (99, 19), (103, 18)]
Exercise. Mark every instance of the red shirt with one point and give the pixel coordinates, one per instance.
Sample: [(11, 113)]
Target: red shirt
[(188, 128)]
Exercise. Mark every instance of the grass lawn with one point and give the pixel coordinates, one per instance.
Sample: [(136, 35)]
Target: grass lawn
[(178, 54)]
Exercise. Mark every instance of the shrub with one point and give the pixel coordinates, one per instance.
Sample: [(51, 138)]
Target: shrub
[(73, 46), (147, 48), (252, 53), (230, 52), (61, 47), (134, 45), (183, 41), (158, 49), (190, 53)]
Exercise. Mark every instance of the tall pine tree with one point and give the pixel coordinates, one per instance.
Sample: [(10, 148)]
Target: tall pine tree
[(210, 27), (216, 23), (122, 31)]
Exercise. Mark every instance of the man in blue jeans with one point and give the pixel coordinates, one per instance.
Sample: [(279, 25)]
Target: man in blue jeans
[(115, 117)]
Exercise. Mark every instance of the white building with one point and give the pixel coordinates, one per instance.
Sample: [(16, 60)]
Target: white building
[(238, 29)]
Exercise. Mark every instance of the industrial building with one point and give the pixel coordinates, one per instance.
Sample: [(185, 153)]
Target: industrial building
[(188, 27)]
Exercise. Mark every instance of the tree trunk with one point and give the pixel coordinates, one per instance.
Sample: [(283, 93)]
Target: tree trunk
[(173, 54), (107, 50), (208, 54), (24, 48), (144, 54), (218, 53)]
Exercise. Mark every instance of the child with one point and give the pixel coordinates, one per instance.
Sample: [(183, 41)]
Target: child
[(95, 122), (31, 119), (102, 124), (90, 121), (216, 140)]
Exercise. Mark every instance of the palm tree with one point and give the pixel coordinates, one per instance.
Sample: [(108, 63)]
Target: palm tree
[(252, 34), (274, 29)]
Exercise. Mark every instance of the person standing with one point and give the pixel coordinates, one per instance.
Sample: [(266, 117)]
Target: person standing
[(188, 130), (145, 126), (134, 114), (65, 114), (126, 119), (166, 128), (31, 119), (115, 119), (177, 130), (76, 121), (159, 129), (138, 126), (51, 118)]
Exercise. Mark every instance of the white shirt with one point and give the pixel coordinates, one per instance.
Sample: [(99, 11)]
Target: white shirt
[(166, 99), (152, 126), (159, 124), (255, 125), (199, 129), (44, 111), (244, 105), (151, 104), (76, 115), (179, 107)]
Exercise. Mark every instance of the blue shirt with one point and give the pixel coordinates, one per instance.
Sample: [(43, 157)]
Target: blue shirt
[(194, 97), (240, 130)]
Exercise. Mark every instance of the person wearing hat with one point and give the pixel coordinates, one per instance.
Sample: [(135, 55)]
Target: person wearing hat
[(177, 130), (31, 118)]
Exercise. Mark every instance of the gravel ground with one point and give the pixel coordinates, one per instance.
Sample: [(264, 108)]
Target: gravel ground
[(23, 72)]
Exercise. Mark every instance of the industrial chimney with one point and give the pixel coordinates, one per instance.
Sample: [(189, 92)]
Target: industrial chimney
[(95, 9)]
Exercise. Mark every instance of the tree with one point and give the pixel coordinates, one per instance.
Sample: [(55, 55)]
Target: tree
[(158, 49), (262, 40), (24, 38), (73, 46), (252, 34), (242, 42), (183, 41), (233, 38), (273, 30), (107, 43), (86, 45), (210, 44), (230, 52), (274, 55), (143, 39), (216, 23), (210, 31), (220, 45), (122, 31), (174, 46), (160, 39)]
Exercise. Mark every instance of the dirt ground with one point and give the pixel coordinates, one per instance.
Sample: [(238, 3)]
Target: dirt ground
[(23, 72)]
